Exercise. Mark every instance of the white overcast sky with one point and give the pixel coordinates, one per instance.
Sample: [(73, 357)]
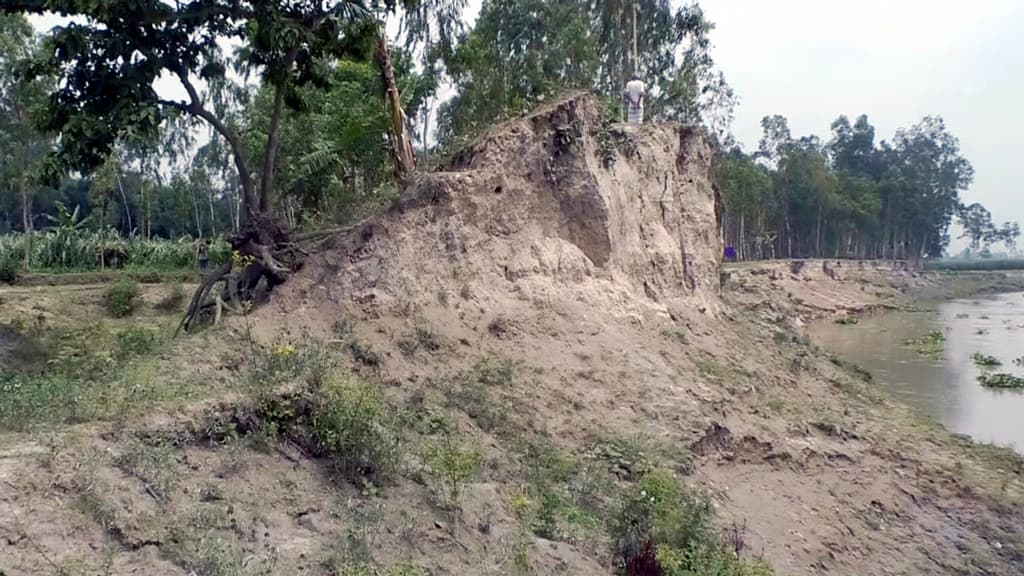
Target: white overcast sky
[(894, 60)]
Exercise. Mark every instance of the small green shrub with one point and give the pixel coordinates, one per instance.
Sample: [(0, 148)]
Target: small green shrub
[(122, 297), (427, 338), (709, 368), (1001, 380), (363, 354), (342, 329), (483, 393), (677, 335), (451, 466), (422, 338), (632, 457), (172, 300), (847, 320), (9, 269), (985, 361), (663, 527), (152, 463), (200, 551), (567, 493), (135, 341), (353, 425)]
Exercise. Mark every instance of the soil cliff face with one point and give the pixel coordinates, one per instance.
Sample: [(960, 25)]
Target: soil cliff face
[(555, 201), (588, 255)]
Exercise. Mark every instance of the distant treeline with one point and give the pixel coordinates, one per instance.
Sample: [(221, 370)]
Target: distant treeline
[(850, 197)]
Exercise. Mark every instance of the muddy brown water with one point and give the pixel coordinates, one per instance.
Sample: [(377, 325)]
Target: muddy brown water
[(946, 388)]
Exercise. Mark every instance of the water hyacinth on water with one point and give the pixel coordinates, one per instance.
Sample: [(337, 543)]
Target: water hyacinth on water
[(985, 361), (931, 344), (1001, 380)]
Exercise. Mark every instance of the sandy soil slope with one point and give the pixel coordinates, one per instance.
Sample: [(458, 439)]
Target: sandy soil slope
[(586, 255)]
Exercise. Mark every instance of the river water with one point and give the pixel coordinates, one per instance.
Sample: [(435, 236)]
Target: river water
[(946, 389)]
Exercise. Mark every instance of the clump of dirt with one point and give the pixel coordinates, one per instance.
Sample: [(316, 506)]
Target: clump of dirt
[(20, 352)]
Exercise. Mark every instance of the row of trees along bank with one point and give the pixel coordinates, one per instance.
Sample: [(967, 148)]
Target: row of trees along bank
[(851, 197)]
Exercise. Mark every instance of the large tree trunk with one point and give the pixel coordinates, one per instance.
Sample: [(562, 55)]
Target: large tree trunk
[(402, 155), (270, 153)]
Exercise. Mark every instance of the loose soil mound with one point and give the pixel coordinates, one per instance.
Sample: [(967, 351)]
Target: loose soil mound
[(17, 351), (557, 205)]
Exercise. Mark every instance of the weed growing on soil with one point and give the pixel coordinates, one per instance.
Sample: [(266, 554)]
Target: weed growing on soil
[(709, 368), (354, 425), (1001, 380), (985, 361), (136, 341), (521, 507), (483, 394), (209, 554), (847, 320), (664, 527), (677, 335), (173, 300), (90, 374), (122, 297), (363, 354), (451, 467), (153, 464), (931, 344), (363, 569), (422, 337), (426, 338), (632, 457), (567, 494), (93, 501)]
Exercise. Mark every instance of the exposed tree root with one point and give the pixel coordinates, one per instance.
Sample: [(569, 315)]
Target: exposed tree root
[(263, 257)]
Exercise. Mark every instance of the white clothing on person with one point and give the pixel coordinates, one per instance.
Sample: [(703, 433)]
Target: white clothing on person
[(635, 101)]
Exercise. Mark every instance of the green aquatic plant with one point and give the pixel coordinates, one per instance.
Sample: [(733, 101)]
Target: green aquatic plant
[(931, 344), (1001, 380), (985, 361)]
